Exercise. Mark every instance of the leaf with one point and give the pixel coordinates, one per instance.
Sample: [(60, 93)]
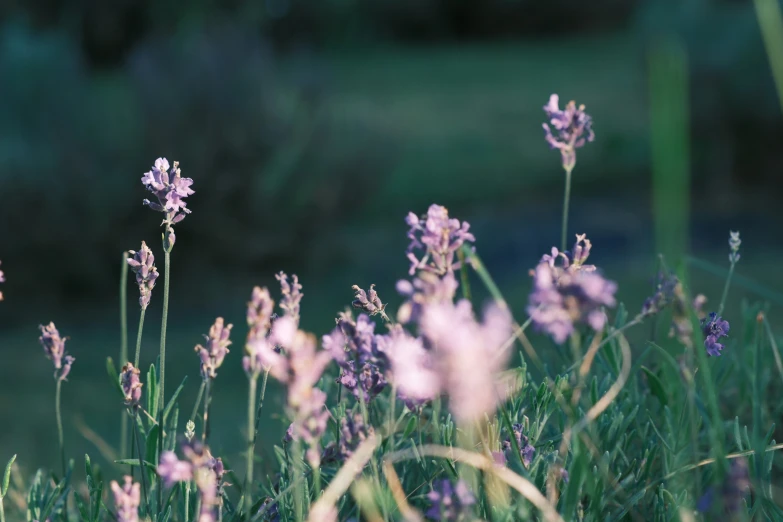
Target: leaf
[(576, 476), (114, 377), (152, 392), (7, 476), (151, 453), (87, 466), (82, 508), (411, 426), (656, 386), (173, 399), (133, 462), (737, 436)]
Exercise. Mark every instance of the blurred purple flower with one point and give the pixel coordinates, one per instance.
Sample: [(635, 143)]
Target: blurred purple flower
[(353, 431), (259, 313), (736, 484), (131, 385), (368, 301), (412, 367), (2, 280), (54, 347), (173, 470), (572, 126), (664, 293), (449, 501), (426, 288), (526, 450), (714, 328), (201, 467), (216, 348), (142, 264), (170, 189), (292, 295), (438, 237), (126, 499), (734, 246)]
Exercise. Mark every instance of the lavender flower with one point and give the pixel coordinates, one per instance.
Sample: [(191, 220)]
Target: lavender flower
[(573, 127), (271, 511), (664, 293), (131, 386), (681, 327), (353, 431), (438, 237), (425, 289), (2, 280), (714, 328), (260, 353), (172, 470), (127, 499), (736, 484), (450, 502), (170, 189), (412, 367), (467, 354), (292, 295), (54, 347), (142, 264), (216, 349), (199, 466), (259, 313), (734, 245), (368, 301), (526, 450)]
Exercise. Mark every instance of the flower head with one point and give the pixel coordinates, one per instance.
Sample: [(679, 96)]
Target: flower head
[(572, 129), (438, 237), (427, 288), (663, 296), (714, 327), (170, 189), (173, 470), (353, 431), (413, 367), (142, 264), (127, 499), (292, 295), (449, 501), (526, 450), (259, 313), (734, 246), (54, 347), (368, 301), (131, 385), (216, 348)]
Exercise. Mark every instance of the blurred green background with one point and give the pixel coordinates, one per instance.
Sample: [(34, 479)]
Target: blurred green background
[(311, 128)]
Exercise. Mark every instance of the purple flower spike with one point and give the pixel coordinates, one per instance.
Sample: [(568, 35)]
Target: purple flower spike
[(259, 313), (292, 295), (526, 450), (368, 301), (173, 470), (736, 484), (216, 348), (439, 237), (142, 264), (170, 189), (354, 345), (427, 288), (131, 385), (572, 129), (714, 327), (2, 280), (54, 347), (413, 367), (127, 499), (66, 369), (353, 432), (449, 502)]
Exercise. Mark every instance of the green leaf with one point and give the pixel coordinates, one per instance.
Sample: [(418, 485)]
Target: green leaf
[(87, 466), (152, 392), (173, 399), (410, 427), (576, 476), (737, 436), (656, 386), (133, 462), (7, 476), (114, 377), (151, 453), (82, 508)]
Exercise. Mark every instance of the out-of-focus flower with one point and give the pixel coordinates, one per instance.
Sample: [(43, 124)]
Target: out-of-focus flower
[(259, 313), (449, 501), (425, 289), (734, 246), (131, 385), (173, 470), (170, 189), (54, 347), (681, 327), (216, 348), (714, 327), (698, 306), (664, 293), (201, 467), (2, 280), (526, 450), (143, 265), (413, 367), (439, 237), (190, 430), (353, 431), (126, 499), (736, 484), (292, 295), (271, 511), (368, 301), (467, 354), (572, 129)]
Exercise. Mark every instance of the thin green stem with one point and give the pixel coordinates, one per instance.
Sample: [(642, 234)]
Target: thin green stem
[(187, 500), (726, 288), (138, 339), (2, 510), (566, 202), (164, 321), (316, 482), (141, 462), (251, 439), (198, 401), (260, 405), (296, 462), (207, 400), (124, 343), (59, 416)]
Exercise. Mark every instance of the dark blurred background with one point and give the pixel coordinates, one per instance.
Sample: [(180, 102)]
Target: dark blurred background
[(310, 129)]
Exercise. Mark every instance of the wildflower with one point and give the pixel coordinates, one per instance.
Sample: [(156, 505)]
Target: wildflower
[(353, 431), (573, 128), (439, 237), (259, 313), (127, 499), (734, 245), (2, 280), (663, 295), (216, 349), (170, 189), (131, 386), (54, 347), (190, 430), (450, 501), (142, 264), (368, 301), (426, 288), (714, 328), (698, 306), (172, 470), (292, 295), (270, 509), (526, 450), (412, 367), (201, 467), (467, 354), (571, 261), (732, 491)]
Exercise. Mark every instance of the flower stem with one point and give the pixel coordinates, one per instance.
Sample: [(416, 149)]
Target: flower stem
[(161, 389), (207, 400), (59, 423), (251, 439), (260, 405), (726, 288), (198, 402), (124, 344), (141, 461), (138, 340), (2, 510), (566, 201)]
